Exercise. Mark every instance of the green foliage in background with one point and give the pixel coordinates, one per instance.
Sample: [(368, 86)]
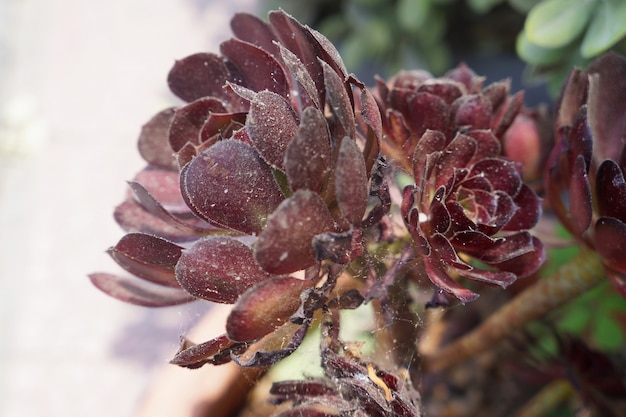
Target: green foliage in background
[(559, 34)]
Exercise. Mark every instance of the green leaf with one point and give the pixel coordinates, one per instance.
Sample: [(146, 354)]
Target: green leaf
[(607, 334), (607, 27), (412, 14), (523, 6), (537, 55), (555, 23), (482, 6)]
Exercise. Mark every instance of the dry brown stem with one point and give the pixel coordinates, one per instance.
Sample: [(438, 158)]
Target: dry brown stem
[(571, 280)]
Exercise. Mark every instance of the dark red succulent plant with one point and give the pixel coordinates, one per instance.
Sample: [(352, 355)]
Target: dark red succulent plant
[(264, 173), (468, 200), (584, 178)]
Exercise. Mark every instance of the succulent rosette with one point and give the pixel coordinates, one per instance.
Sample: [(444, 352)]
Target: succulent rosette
[(584, 177), (265, 172), (468, 201)]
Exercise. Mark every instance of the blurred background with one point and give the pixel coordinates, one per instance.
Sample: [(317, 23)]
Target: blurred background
[(78, 78)]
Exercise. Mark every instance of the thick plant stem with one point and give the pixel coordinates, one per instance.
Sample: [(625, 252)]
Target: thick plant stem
[(571, 280)]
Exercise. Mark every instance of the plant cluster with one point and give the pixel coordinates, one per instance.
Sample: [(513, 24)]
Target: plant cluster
[(284, 186)]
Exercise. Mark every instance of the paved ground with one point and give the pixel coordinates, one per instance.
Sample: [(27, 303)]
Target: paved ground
[(77, 80)]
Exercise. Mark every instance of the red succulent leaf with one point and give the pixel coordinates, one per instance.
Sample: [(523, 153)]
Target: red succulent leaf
[(189, 120), (464, 75), (285, 245), (528, 212), (504, 117), (274, 346), (134, 218), (611, 190), (426, 156), (149, 257), (528, 263), (299, 40), (265, 307), (472, 241), (439, 218), (506, 248), (610, 241), (487, 144), (580, 197), (457, 155), (259, 69), (154, 145), (501, 278), (500, 173), (250, 28), (153, 207), (216, 351), (351, 181), (580, 139), (438, 275), (449, 91), (163, 186), (228, 184), (271, 125), (307, 158), (201, 75), (138, 292), (221, 125), (339, 102), (446, 252), (471, 110), (330, 54), (307, 94), (573, 96), (219, 269), (607, 106), (427, 111)]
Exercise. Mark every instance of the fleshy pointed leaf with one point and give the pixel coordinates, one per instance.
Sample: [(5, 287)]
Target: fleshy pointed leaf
[(230, 185), (271, 125), (580, 197), (149, 257), (339, 101), (607, 106), (285, 245), (139, 292), (528, 212), (163, 187), (250, 28), (306, 89), (442, 280), (201, 75), (351, 181), (528, 263), (259, 70), (610, 242), (219, 269), (188, 121), (154, 145), (156, 209), (307, 159), (611, 191), (265, 307), (472, 110)]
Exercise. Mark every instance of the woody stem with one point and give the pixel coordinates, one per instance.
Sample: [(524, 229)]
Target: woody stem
[(568, 282)]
